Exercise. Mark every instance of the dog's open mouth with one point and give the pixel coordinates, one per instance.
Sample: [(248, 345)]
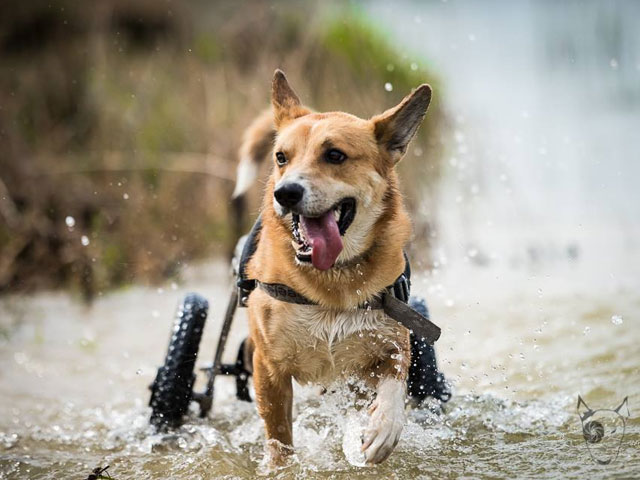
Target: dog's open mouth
[(317, 239)]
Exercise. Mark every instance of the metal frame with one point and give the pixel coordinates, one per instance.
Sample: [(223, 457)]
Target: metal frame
[(205, 399)]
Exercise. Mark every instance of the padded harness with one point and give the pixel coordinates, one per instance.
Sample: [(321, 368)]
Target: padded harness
[(392, 299)]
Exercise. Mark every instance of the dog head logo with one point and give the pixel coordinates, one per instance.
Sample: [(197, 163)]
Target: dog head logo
[(603, 430), (334, 173)]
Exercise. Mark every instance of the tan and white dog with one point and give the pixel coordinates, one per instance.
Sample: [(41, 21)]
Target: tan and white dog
[(334, 228)]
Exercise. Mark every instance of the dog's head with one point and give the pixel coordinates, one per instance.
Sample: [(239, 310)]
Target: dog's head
[(603, 430), (333, 170)]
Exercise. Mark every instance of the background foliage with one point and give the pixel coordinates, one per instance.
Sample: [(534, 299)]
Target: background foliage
[(126, 117)]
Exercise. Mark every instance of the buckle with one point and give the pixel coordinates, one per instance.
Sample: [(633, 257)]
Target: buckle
[(401, 288), (245, 287)]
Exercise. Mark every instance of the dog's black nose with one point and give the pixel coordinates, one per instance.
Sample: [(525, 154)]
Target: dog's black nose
[(289, 194)]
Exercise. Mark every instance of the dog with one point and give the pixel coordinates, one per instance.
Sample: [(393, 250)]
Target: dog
[(333, 231)]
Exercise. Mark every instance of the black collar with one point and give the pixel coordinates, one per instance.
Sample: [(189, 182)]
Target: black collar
[(392, 300)]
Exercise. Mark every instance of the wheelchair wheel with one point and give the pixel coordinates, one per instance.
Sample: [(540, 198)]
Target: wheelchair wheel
[(172, 389), (425, 380)]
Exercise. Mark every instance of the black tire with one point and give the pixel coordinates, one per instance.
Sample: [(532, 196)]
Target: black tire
[(424, 379), (172, 390)]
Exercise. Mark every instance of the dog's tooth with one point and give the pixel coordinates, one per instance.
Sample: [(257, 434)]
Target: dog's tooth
[(336, 214)]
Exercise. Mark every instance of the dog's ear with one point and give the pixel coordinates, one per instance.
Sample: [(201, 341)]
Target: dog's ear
[(583, 409), (395, 128), (285, 102), (620, 408)]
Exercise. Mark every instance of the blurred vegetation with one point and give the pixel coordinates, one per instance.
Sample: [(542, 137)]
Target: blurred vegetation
[(120, 121)]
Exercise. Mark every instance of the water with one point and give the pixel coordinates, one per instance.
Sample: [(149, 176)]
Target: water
[(544, 99), (536, 285), (74, 395)]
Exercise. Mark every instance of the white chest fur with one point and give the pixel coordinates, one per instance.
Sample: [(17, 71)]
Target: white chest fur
[(316, 344), (332, 326)]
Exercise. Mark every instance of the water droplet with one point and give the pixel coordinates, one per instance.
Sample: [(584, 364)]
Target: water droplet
[(586, 330), (125, 196), (388, 87), (414, 66), (359, 292), (70, 221), (85, 240), (617, 319), (390, 67), (139, 371)]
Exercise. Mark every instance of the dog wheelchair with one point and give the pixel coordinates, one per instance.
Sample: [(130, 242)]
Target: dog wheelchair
[(172, 390)]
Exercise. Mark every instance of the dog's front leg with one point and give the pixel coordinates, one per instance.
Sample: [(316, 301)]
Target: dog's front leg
[(274, 396), (387, 410), (386, 420)]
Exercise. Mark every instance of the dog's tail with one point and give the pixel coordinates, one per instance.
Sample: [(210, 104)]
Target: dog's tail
[(257, 143)]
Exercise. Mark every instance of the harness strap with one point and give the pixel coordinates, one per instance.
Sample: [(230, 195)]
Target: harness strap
[(413, 320), (283, 293), (394, 307), (393, 299)]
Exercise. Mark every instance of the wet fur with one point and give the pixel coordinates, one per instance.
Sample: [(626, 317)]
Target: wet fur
[(318, 344)]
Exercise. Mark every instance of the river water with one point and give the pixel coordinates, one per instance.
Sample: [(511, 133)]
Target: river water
[(536, 285)]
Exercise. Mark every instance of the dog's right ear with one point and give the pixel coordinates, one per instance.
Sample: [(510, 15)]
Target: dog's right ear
[(285, 102), (625, 405)]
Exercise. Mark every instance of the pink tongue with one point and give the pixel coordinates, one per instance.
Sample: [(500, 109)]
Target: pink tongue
[(324, 235)]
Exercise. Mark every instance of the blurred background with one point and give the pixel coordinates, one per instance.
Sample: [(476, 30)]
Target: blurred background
[(121, 122), (119, 128)]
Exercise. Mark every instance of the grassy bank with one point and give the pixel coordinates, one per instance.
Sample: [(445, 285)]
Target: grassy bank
[(120, 125)]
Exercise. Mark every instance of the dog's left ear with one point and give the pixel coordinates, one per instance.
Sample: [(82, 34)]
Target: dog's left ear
[(395, 128), (583, 409), (286, 104)]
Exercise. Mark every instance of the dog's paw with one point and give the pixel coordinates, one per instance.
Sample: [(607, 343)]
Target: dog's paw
[(387, 420), (277, 454)]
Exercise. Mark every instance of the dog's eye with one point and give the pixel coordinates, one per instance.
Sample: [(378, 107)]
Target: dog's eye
[(335, 156), (281, 159)]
